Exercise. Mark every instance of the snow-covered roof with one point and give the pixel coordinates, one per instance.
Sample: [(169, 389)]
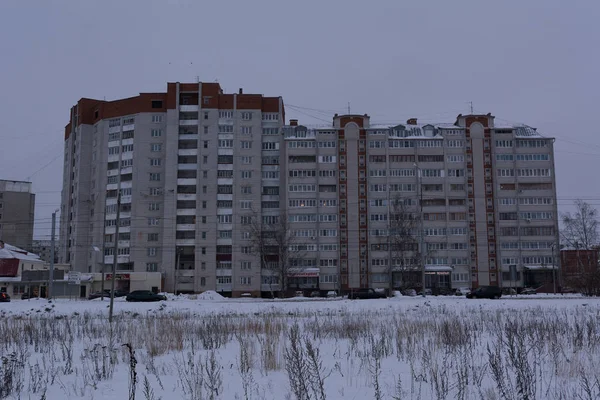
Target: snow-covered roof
[(10, 251)]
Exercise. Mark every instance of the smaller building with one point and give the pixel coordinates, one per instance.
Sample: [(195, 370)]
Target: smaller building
[(22, 272)]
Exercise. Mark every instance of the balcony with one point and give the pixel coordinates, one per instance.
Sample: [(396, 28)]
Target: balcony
[(185, 242), (187, 152), (186, 181), (188, 108), (186, 227), (186, 211), (224, 272), (186, 196), (188, 122), (225, 152), (187, 166)]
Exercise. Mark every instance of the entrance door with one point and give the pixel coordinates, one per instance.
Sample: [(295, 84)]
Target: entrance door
[(82, 291)]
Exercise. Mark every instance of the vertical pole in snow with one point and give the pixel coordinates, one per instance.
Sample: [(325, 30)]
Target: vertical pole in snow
[(51, 275), (115, 259)]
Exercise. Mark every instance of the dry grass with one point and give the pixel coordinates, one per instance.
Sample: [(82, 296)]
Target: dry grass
[(536, 353)]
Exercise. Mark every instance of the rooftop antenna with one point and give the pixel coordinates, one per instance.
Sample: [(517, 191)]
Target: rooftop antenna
[(348, 107), (471, 105)]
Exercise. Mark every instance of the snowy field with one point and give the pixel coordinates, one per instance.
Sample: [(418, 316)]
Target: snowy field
[(207, 347)]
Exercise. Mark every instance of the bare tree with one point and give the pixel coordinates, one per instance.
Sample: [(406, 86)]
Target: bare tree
[(403, 243), (580, 230), (275, 245)]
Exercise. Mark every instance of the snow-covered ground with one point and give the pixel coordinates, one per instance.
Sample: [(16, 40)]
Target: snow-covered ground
[(208, 347)]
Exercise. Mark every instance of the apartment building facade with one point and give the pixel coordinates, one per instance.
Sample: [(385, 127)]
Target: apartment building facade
[(17, 213), (190, 169)]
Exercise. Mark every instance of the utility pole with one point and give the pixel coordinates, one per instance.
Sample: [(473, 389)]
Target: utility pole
[(178, 252), (421, 229), (115, 259), (554, 267), (422, 235), (51, 275)]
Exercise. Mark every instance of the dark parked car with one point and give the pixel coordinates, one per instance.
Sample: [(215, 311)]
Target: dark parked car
[(485, 292), (144, 295), (4, 297), (366, 294), (26, 296), (97, 295)]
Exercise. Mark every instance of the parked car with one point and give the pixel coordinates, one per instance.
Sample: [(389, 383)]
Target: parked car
[(315, 293), (366, 294), (4, 297), (485, 292), (331, 294), (118, 293), (26, 296), (461, 292), (409, 292), (145, 295)]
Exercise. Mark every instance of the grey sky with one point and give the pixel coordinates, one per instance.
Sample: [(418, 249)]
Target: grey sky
[(525, 61)]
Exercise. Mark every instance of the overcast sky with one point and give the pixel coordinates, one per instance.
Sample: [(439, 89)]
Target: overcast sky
[(533, 62)]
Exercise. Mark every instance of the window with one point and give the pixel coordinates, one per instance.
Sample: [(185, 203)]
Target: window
[(328, 232), (532, 143), (153, 237), (225, 114), (302, 218), (270, 145), (157, 118), (504, 143), (245, 280), (456, 173), (224, 143), (301, 144), (114, 122), (534, 172), (224, 189), (246, 204), (270, 174), (113, 150), (246, 144), (157, 104), (246, 115), (129, 121), (153, 206), (270, 131), (455, 143), (246, 159), (246, 189), (533, 157), (153, 221), (156, 133), (301, 203), (270, 116), (302, 188), (327, 159), (114, 136), (155, 147), (151, 267), (433, 173), (225, 219), (155, 162), (151, 251), (154, 176), (504, 157)]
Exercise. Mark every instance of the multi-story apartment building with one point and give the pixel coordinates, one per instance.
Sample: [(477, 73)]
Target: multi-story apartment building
[(43, 248), (469, 203), (17, 207)]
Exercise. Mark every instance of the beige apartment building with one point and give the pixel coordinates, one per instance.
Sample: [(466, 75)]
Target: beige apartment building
[(193, 170)]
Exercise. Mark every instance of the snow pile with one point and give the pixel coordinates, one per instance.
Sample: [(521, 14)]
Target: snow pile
[(210, 295)]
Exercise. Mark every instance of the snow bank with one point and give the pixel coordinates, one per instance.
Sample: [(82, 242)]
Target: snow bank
[(210, 295)]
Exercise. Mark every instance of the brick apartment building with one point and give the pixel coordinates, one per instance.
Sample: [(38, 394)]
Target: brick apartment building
[(194, 165)]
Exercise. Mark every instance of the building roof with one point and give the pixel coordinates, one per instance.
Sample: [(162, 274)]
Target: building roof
[(11, 252)]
